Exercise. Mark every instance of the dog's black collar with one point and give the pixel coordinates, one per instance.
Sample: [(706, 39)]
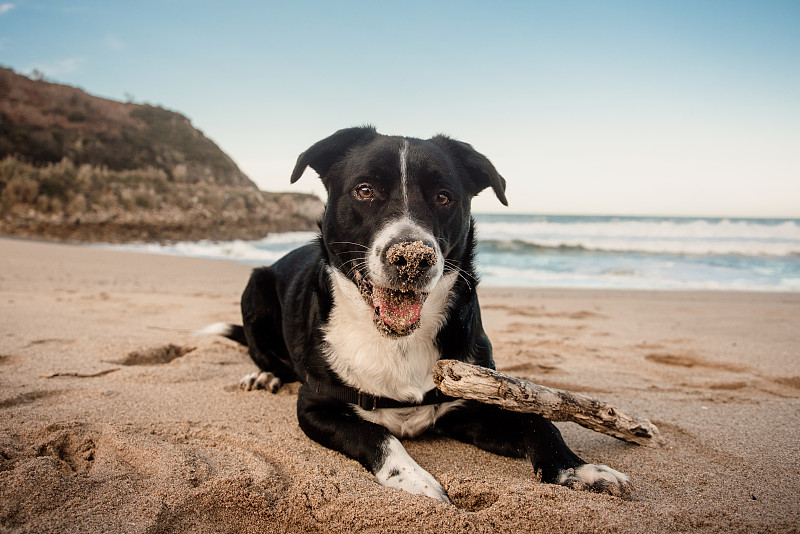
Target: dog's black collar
[(368, 402)]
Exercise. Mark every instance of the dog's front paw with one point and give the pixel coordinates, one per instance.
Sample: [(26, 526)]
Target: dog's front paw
[(400, 471), (261, 380), (594, 477)]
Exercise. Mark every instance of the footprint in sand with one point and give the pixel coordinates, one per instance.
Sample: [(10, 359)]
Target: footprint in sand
[(27, 398), (689, 361), (8, 359), (789, 381), (72, 451), (470, 497), (529, 369), (165, 477), (50, 340), (540, 312), (155, 355)]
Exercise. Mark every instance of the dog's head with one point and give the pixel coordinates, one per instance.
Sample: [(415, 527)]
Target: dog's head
[(398, 214)]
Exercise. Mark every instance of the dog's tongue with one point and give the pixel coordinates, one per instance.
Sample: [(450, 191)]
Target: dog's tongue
[(398, 310)]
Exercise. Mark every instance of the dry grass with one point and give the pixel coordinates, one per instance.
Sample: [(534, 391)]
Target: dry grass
[(66, 201)]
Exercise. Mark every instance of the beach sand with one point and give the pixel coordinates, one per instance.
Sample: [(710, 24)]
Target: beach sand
[(115, 418)]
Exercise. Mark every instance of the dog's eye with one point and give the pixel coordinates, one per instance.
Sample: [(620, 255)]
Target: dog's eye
[(443, 198), (365, 192)]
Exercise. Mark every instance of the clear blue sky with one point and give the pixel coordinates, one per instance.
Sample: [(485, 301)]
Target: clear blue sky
[(586, 107)]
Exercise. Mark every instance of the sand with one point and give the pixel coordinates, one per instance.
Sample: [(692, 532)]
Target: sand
[(115, 418)]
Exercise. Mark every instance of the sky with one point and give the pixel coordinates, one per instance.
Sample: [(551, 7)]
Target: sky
[(673, 108)]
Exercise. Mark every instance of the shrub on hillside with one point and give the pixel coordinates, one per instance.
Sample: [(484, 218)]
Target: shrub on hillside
[(64, 200)]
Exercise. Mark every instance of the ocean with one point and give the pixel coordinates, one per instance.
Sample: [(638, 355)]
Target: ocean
[(660, 253)]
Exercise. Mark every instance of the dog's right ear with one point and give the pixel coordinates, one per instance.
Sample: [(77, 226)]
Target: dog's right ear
[(323, 154)]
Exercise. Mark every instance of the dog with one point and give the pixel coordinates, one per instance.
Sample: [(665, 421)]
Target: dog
[(361, 315)]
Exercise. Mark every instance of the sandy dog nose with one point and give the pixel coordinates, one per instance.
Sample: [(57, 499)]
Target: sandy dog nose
[(411, 258)]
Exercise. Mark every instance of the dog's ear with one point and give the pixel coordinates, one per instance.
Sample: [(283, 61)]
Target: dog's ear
[(323, 154), (480, 170)]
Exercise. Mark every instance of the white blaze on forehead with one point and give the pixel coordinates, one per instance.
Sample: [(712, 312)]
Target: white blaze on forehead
[(404, 172)]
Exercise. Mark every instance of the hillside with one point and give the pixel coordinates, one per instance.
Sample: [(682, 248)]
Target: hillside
[(44, 122), (79, 167)]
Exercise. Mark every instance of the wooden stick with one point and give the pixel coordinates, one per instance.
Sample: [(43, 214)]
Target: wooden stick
[(465, 381)]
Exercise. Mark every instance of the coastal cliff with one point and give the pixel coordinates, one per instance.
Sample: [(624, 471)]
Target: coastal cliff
[(78, 167)]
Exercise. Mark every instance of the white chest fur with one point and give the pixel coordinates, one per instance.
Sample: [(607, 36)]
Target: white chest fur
[(372, 362), (408, 422)]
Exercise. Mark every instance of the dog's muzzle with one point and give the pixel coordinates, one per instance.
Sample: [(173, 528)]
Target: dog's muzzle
[(398, 310)]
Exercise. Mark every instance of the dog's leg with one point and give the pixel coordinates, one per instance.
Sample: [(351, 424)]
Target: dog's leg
[(261, 313), (399, 470), (261, 380), (338, 427), (529, 436)]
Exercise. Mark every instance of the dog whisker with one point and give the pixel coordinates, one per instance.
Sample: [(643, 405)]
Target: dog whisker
[(355, 261), (461, 273), (351, 252), (349, 243), (355, 267), (360, 259), (453, 265)]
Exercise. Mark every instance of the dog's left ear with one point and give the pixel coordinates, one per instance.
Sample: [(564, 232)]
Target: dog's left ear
[(323, 154), (478, 167)]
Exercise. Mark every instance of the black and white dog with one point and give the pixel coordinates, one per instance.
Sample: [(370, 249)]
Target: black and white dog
[(361, 315)]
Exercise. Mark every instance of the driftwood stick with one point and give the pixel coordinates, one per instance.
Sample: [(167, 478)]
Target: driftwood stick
[(462, 380)]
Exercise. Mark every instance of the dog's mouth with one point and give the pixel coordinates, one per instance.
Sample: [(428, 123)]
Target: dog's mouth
[(397, 311)]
